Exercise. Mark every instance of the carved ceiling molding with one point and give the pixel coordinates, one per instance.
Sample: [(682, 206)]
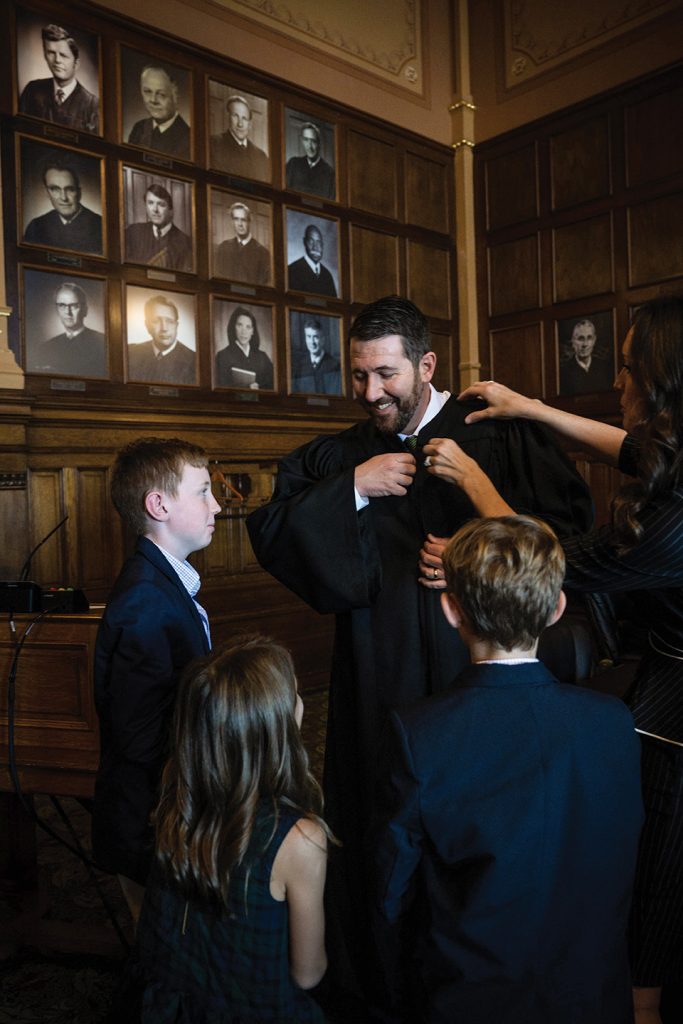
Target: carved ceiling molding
[(382, 38), (542, 36)]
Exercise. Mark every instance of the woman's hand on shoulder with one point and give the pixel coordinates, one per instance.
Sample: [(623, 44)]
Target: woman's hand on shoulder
[(502, 402)]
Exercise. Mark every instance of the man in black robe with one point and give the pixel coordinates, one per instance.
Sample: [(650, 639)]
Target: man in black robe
[(353, 528)]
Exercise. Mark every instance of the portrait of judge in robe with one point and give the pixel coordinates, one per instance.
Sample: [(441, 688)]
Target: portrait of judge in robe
[(310, 155), (64, 324), (161, 336), (61, 198), (239, 143), (158, 215), (312, 253), (315, 353), (58, 73), (156, 100), (586, 353), (241, 236), (243, 345)]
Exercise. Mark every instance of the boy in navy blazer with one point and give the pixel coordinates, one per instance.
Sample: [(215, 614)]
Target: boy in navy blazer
[(505, 843), (152, 627)]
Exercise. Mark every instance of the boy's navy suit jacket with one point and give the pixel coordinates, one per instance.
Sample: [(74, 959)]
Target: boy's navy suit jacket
[(149, 633), (504, 851)]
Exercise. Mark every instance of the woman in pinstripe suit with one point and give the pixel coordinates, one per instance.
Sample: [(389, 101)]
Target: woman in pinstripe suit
[(640, 552)]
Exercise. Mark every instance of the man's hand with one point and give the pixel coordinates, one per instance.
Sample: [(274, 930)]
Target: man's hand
[(431, 566), (383, 475)]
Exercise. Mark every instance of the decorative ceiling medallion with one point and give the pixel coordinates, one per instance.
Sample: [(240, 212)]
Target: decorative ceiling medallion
[(541, 36), (382, 37)]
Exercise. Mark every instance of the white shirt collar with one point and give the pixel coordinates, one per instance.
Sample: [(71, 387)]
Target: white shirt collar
[(437, 400)]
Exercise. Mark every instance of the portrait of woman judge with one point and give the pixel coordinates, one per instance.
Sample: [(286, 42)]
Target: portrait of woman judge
[(161, 336), (62, 197), (239, 137), (158, 220), (65, 326), (586, 353), (58, 72), (156, 103), (243, 345)]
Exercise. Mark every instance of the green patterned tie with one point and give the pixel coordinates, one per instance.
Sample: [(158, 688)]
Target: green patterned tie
[(410, 442)]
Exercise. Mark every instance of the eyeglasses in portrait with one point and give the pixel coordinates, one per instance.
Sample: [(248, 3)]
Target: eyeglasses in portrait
[(158, 220), (586, 353), (58, 72), (243, 345), (310, 158), (312, 253), (315, 353), (156, 103), (161, 336), (62, 197), (241, 238), (239, 138), (65, 324)]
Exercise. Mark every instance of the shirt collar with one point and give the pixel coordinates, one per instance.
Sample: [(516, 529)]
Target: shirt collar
[(66, 89), (437, 400), (189, 577)]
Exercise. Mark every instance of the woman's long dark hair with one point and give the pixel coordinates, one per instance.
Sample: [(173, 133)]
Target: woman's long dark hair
[(231, 330), (656, 365), (235, 743)]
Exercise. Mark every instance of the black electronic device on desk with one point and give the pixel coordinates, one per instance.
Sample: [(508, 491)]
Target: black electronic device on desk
[(24, 596)]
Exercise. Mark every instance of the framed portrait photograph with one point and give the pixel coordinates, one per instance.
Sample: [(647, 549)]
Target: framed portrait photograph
[(161, 336), (242, 345), (239, 134), (156, 104), (61, 198), (64, 324), (241, 237), (585, 346), (312, 253), (158, 220), (314, 350), (310, 155), (58, 73)]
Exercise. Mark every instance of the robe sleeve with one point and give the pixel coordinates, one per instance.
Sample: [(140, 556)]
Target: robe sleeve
[(310, 536)]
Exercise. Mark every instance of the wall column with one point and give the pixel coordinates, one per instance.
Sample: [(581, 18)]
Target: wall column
[(11, 375)]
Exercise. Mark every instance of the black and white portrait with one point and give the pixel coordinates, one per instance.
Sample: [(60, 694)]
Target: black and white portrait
[(161, 336), (158, 220), (61, 198), (156, 99), (239, 142), (58, 72), (241, 238), (315, 353), (312, 253), (309, 155), (64, 324), (243, 345), (586, 353)]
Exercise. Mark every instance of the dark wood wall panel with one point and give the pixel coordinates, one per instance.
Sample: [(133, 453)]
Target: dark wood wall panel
[(427, 199), (374, 264), (514, 282), (428, 279), (656, 240), (447, 376), (373, 175), (652, 152), (512, 188), (516, 356), (583, 259), (580, 163)]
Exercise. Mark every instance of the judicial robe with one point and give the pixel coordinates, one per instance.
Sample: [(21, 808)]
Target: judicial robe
[(392, 643)]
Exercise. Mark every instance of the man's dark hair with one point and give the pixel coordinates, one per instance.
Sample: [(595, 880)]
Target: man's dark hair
[(394, 315), (56, 164), (57, 34), (161, 193), (313, 324)]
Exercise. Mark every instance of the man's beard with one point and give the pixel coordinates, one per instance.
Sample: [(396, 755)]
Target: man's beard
[(404, 410)]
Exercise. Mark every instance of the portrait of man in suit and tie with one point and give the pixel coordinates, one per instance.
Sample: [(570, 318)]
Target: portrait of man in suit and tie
[(61, 198), (69, 96), (239, 143), (64, 322), (315, 350), (156, 353), (158, 215), (157, 102), (317, 268), (310, 155), (241, 235)]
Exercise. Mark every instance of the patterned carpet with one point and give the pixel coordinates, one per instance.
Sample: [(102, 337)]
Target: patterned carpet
[(41, 986)]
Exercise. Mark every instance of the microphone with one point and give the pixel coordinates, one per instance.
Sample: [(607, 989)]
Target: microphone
[(23, 575)]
